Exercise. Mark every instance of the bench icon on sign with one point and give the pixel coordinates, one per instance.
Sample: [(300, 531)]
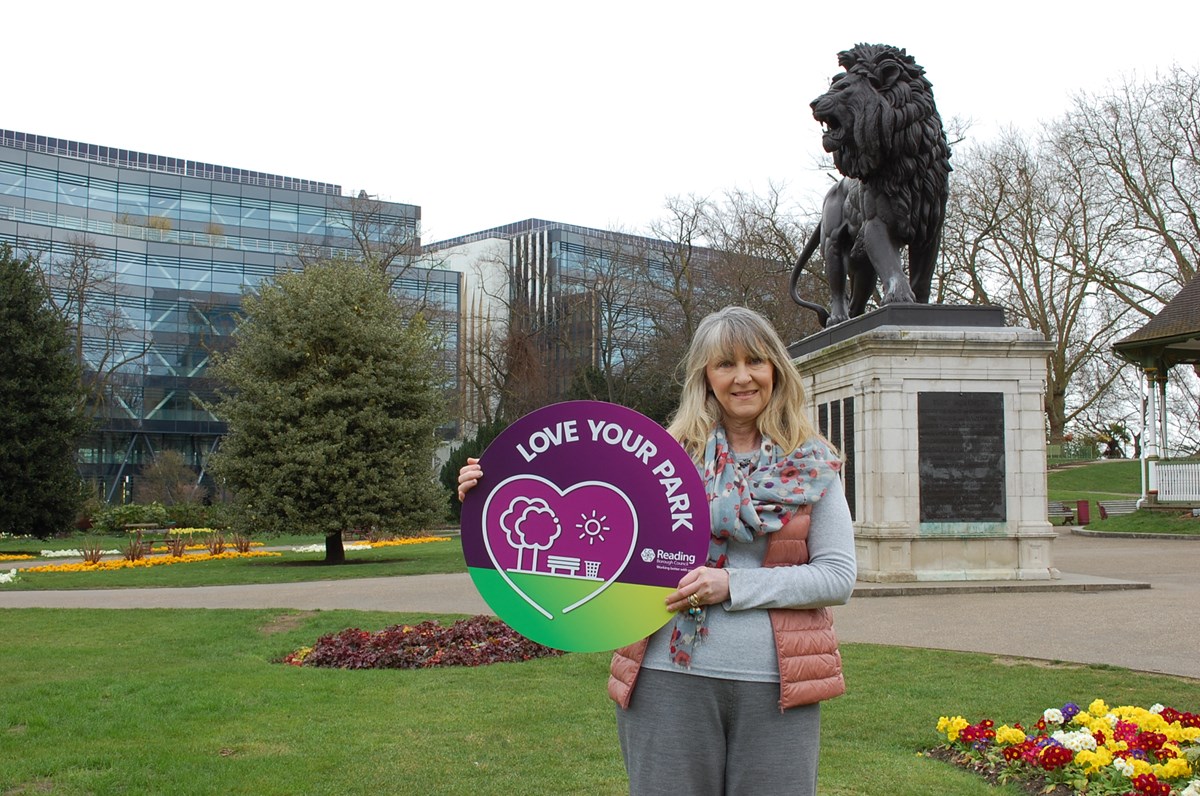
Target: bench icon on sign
[(560, 564)]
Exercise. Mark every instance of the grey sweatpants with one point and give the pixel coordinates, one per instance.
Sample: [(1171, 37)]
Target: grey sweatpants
[(685, 734)]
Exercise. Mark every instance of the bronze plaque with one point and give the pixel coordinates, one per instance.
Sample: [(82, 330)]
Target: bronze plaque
[(960, 447)]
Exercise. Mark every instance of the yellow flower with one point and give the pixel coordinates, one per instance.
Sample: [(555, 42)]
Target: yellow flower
[(410, 540), (1094, 761), (952, 726), (1173, 768), (1098, 708), (145, 562), (1009, 736)]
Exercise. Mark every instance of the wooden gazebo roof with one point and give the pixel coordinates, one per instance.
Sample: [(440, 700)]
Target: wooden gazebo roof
[(1172, 337)]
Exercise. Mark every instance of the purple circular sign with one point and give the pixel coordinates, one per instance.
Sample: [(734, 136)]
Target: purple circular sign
[(587, 516)]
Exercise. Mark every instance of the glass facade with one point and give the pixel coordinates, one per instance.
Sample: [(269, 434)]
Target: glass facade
[(580, 297), (150, 255)]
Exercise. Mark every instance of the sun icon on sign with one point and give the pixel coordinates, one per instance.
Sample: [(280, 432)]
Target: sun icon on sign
[(592, 528)]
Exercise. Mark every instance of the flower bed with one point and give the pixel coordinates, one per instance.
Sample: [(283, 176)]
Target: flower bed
[(16, 557), (320, 546), (8, 577), (1100, 751), (477, 641), (70, 553), (147, 562), (410, 540)]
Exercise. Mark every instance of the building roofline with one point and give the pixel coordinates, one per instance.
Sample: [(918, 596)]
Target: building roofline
[(142, 161), (529, 225)]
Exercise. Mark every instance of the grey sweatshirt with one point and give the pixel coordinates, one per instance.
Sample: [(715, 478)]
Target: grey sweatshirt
[(740, 644)]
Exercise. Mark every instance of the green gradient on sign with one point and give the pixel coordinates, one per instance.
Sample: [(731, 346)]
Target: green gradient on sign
[(621, 614)]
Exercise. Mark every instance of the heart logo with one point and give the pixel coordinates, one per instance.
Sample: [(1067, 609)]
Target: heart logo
[(566, 546)]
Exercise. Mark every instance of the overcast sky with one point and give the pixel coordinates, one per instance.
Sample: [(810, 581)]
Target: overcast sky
[(486, 113)]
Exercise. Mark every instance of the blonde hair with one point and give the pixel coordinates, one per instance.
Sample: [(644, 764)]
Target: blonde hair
[(726, 334)]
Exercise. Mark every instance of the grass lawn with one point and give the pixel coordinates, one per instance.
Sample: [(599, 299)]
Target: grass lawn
[(1116, 480), (160, 701), (1180, 522), (1097, 481)]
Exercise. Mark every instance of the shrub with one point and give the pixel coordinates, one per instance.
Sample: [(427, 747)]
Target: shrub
[(115, 518), (215, 543), (135, 549), (176, 546), (92, 550)]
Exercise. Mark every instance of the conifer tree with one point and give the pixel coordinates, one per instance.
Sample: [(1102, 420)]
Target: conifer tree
[(332, 402), (40, 417)]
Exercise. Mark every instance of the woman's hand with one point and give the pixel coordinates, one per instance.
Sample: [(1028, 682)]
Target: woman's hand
[(468, 477), (707, 585)]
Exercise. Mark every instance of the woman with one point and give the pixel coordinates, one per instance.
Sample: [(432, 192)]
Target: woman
[(724, 699)]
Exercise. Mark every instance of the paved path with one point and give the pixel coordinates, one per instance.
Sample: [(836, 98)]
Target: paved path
[(1089, 621), (1126, 602)]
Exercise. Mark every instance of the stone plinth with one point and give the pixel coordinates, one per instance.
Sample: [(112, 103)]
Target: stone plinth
[(943, 429)]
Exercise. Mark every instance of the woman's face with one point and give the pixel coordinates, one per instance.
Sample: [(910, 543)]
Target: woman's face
[(742, 384)]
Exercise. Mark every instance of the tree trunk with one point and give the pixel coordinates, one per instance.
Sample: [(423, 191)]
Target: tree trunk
[(335, 553)]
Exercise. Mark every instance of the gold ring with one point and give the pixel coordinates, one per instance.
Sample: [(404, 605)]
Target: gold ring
[(693, 601)]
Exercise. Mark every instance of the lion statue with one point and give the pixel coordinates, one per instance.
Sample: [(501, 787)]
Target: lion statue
[(886, 136)]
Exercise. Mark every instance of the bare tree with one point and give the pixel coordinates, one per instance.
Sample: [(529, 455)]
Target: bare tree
[(1141, 142), (504, 347), (1022, 233), (613, 273), (756, 239), (168, 480), (676, 274), (85, 291), (387, 243)]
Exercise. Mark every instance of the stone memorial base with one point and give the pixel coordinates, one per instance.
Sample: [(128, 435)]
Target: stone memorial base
[(939, 414)]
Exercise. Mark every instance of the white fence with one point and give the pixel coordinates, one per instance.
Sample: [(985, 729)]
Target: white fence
[(1176, 482)]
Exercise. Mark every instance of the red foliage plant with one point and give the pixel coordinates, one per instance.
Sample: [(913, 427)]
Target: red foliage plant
[(477, 641)]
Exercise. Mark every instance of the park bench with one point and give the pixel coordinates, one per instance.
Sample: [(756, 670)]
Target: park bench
[(1056, 508), (1112, 508)]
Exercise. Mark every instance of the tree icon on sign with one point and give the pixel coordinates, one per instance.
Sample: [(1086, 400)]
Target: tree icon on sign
[(529, 524)]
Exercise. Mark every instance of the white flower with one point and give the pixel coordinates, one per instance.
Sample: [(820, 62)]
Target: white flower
[(1193, 788), (320, 548), (1077, 740), (1157, 707), (73, 553), (8, 577), (1053, 716), (1123, 765), (1112, 719)]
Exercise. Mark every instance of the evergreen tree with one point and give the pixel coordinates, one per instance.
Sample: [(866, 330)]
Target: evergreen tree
[(332, 402), (40, 419), (471, 448)]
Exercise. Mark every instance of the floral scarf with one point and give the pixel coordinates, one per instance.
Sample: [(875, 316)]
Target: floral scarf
[(746, 502)]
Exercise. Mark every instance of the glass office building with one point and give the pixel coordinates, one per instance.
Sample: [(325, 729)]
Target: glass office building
[(151, 254)]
